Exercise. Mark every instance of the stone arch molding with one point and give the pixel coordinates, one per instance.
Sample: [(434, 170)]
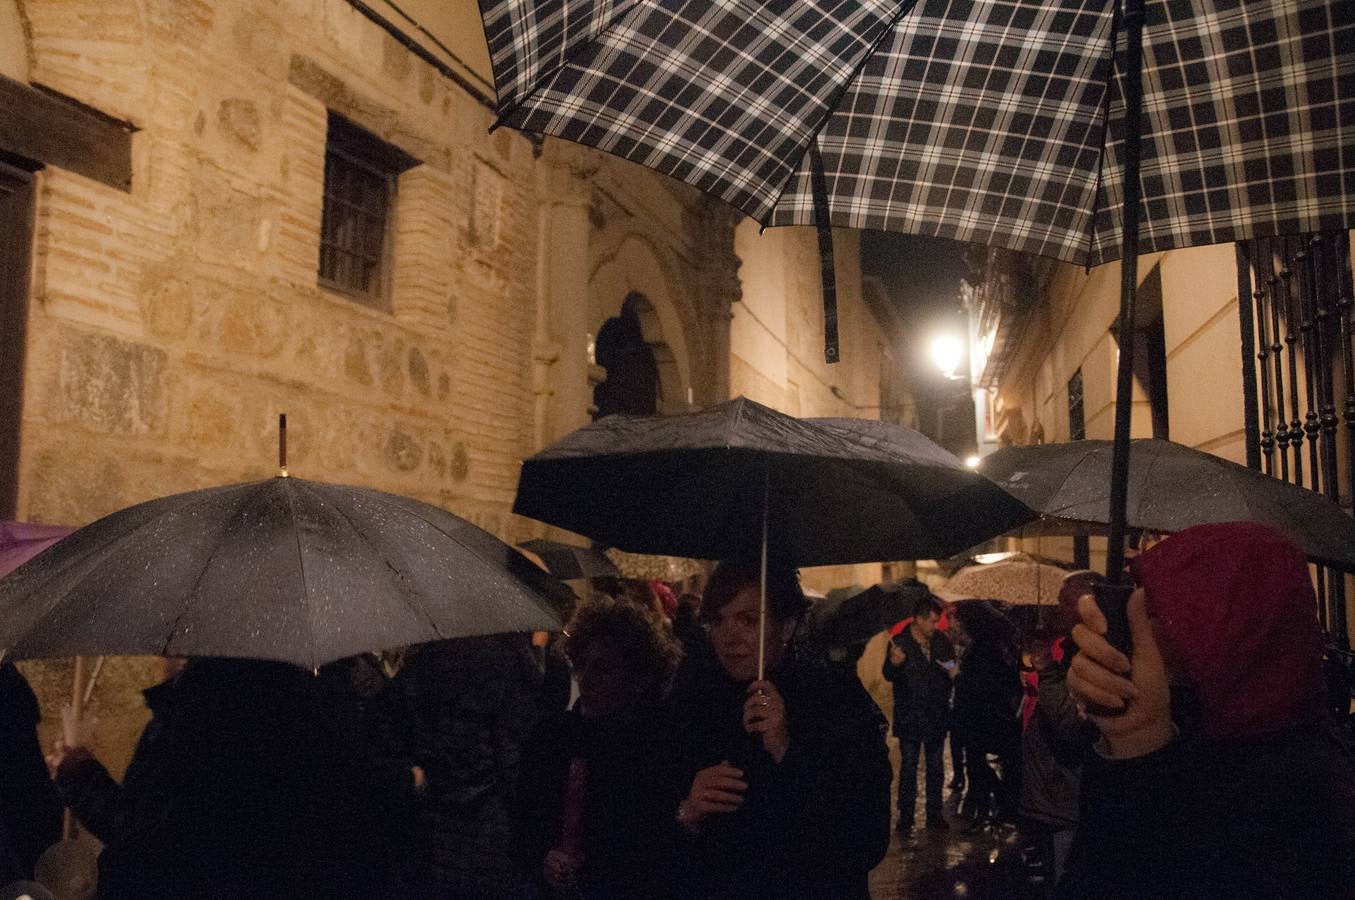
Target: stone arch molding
[(634, 270), (14, 56)]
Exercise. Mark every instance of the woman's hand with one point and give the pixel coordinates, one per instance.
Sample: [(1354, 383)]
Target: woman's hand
[(715, 789), (764, 714), (561, 869), (1101, 675)]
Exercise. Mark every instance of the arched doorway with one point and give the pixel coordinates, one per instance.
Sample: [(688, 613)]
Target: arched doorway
[(630, 284)]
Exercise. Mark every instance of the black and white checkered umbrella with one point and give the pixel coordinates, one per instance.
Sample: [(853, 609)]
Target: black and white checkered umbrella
[(995, 122)]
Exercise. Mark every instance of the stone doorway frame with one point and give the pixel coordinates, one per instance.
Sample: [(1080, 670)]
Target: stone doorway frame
[(16, 247)]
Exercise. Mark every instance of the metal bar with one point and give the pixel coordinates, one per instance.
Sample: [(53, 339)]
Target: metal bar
[(1291, 344), (1113, 602), (1277, 360), (1305, 302), (1337, 257), (1258, 251), (1248, 334), (1325, 287)]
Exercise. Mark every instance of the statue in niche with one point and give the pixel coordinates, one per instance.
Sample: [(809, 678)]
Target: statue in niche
[(632, 383)]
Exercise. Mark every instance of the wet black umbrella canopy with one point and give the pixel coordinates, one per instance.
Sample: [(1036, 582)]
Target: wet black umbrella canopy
[(1171, 488), (285, 569), (694, 485)]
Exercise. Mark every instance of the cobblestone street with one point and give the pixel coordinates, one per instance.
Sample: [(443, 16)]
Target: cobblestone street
[(962, 863)]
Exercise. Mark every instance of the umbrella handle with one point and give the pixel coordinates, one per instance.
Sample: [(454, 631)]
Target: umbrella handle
[(1113, 599)]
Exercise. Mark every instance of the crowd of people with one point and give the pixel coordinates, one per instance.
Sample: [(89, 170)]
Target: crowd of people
[(706, 755)]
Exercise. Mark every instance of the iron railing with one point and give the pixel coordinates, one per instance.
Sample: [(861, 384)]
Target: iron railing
[(1295, 306)]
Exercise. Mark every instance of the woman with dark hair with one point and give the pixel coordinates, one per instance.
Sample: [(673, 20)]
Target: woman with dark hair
[(596, 794), (786, 780)]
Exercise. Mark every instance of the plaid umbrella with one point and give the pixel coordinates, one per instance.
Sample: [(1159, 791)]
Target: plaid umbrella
[(999, 122)]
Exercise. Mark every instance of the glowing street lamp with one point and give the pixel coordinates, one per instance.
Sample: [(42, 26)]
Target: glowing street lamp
[(947, 353)]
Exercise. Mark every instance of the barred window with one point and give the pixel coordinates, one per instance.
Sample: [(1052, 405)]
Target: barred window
[(360, 177), (1077, 422)]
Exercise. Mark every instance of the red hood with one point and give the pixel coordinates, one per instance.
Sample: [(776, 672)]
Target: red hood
[(1237, 618)]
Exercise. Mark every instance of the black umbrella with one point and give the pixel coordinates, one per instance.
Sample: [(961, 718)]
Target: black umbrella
[(570, 561), (859, 618), (283, 569), (705, 484), (1171, 487)]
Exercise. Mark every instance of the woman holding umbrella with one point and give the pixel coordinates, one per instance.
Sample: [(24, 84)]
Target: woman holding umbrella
[(786, 780)]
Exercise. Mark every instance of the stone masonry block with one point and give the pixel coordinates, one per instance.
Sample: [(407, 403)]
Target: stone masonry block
[(107, 384)]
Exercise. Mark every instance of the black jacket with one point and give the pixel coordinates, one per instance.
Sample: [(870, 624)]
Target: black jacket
[(30, 809), (921, 688), (812, 826), (987, 700), (246, 783), (473, 704), (1264, 817), (632, 795)]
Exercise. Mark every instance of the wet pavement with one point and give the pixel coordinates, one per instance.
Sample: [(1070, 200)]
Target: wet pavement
[(965, 862)]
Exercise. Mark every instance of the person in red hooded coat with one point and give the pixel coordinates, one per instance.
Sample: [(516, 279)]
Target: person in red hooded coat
[(1219, 777)]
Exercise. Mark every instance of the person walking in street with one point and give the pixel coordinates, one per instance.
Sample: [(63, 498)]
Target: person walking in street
[(786, 779), (1216, 774), (986, 715), (921, 665), (595, 799)]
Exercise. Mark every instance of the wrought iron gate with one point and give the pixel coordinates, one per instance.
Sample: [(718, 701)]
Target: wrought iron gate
[(1295, 305)]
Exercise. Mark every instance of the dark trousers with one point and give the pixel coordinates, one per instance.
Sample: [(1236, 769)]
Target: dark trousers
[(957, 768), (936, 776)]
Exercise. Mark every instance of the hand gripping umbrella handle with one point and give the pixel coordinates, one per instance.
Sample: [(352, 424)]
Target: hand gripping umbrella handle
[(1113, 599)]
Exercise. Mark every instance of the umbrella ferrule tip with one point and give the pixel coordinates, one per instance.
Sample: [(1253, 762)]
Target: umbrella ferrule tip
[(282, 473)]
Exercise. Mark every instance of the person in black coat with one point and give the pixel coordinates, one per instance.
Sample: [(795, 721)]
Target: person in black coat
[(596, 796), (30, 808), (247, 782), (786, 779), (986, 713), (920, 663), (473, 703)]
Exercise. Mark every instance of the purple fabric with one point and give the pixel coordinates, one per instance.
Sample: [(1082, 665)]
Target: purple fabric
[(21, 541)]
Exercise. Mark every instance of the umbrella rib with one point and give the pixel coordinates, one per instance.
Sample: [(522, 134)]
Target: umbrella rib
[(188, 599), (404, 594), (570, 58), (376, 497), (905, 7), (305, 588), (1054, 512)]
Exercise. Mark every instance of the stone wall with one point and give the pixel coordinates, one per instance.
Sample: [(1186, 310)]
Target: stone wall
[(169, 325)]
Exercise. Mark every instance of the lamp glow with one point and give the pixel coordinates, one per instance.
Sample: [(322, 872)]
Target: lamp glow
[(947, 353), (972, 462)]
